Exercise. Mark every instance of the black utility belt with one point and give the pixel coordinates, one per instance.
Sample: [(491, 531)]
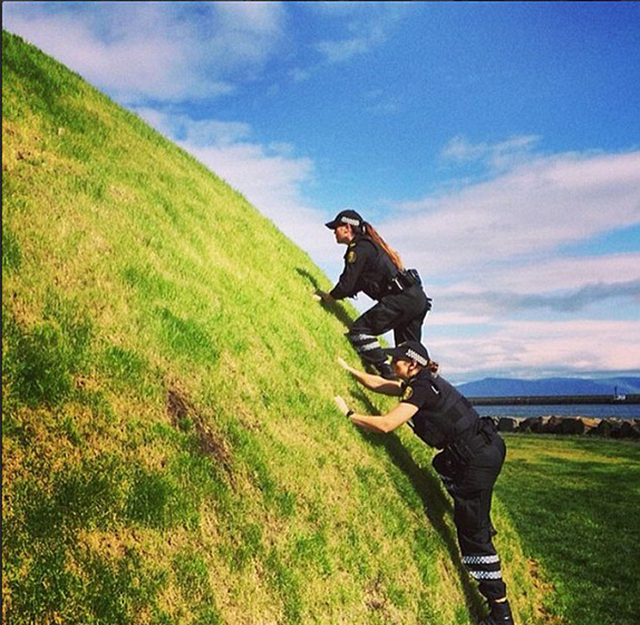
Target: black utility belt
[(404, 280), (465, 447)]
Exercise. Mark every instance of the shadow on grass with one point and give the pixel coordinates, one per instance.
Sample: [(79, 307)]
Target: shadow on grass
[(335, 308), (436, 504)]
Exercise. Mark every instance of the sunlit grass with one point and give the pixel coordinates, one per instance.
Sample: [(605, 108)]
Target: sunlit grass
[(574, 502)]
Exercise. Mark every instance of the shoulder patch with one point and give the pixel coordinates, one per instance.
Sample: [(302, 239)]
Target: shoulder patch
[(351, 257), (408, 392)]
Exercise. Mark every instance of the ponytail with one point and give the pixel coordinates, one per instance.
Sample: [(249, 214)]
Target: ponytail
[(370, 231), (433, 366)]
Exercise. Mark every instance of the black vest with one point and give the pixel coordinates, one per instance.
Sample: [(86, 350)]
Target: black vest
[(446, 420)]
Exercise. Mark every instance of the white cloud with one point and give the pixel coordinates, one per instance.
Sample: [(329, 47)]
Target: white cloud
[(367, 26), (562, 273), (345, 49), (168, 51), (519, 348), (336, 9), (498, 156), (587, 297), (491, 253), (567, 286), (196, 133), (299, 75), (523, 215), (380, 102), (251, 17)]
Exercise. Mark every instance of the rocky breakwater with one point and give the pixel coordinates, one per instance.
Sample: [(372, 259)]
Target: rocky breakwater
[(610, 428)]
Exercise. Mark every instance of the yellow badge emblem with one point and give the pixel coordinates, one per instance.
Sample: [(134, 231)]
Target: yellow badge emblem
[(408, 392), (351, 257)]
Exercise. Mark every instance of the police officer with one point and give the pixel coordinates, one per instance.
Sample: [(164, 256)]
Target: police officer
[(469, 463), (372, 267)]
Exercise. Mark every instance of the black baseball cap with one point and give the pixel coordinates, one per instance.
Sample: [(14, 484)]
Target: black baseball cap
[(409, 350), (345, 217)]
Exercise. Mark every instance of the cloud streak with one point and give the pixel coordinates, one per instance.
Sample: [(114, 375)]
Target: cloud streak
[(509, 302), (141, 51), (367, 28), (342, 50), (560, 273), (517, 348), (498, 156), (524, 214)]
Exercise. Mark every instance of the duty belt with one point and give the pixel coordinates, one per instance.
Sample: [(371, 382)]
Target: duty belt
[(403, 280), (468, 442)]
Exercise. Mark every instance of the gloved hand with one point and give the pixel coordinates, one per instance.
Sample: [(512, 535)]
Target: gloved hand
[(342, 405), (323, 296)]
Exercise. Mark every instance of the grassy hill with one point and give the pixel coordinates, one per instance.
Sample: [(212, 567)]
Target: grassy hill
[(171, 450)]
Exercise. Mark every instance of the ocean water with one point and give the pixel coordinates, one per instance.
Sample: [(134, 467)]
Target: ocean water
[(599, 411)]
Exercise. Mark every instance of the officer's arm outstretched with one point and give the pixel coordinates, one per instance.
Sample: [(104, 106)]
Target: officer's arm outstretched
[(373, 382), (381, 425)]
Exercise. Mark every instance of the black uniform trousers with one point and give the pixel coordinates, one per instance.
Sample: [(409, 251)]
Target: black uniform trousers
[(470, 482), (402, 312)]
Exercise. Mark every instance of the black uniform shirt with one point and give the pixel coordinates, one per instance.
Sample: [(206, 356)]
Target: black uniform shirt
[(367, 268), (442, 410)]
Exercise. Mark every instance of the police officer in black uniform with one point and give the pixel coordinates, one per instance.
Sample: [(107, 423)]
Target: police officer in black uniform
[(470, 460), (372, 267)]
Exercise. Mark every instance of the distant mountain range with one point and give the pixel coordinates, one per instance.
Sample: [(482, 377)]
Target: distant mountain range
[(507, 387)]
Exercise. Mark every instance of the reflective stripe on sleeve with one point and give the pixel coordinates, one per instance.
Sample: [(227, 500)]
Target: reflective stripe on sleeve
[(367, 347), (362, 337)]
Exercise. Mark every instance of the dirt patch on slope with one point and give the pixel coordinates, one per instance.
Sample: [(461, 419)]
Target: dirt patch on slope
[(182, 414)]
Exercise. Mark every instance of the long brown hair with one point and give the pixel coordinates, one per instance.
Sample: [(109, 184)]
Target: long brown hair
[(370, 231), (433, 366)]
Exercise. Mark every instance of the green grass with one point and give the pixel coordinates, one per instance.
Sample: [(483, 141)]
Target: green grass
[(574, 502), (171, 450)]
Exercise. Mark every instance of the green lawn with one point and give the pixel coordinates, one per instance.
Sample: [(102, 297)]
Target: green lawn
[(575, 503)]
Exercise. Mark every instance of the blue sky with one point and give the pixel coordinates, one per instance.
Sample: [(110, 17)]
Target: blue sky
[(495, 145)]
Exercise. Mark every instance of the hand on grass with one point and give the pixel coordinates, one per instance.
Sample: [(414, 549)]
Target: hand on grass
[(322, 296), (342, 405), (345, 365)]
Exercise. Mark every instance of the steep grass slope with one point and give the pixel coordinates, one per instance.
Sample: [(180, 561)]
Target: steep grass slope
[(171, 450)]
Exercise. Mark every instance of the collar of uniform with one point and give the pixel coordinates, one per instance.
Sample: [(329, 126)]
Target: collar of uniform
[(359, 236)]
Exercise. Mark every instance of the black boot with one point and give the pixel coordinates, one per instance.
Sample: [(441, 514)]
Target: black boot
[(500, 614)]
